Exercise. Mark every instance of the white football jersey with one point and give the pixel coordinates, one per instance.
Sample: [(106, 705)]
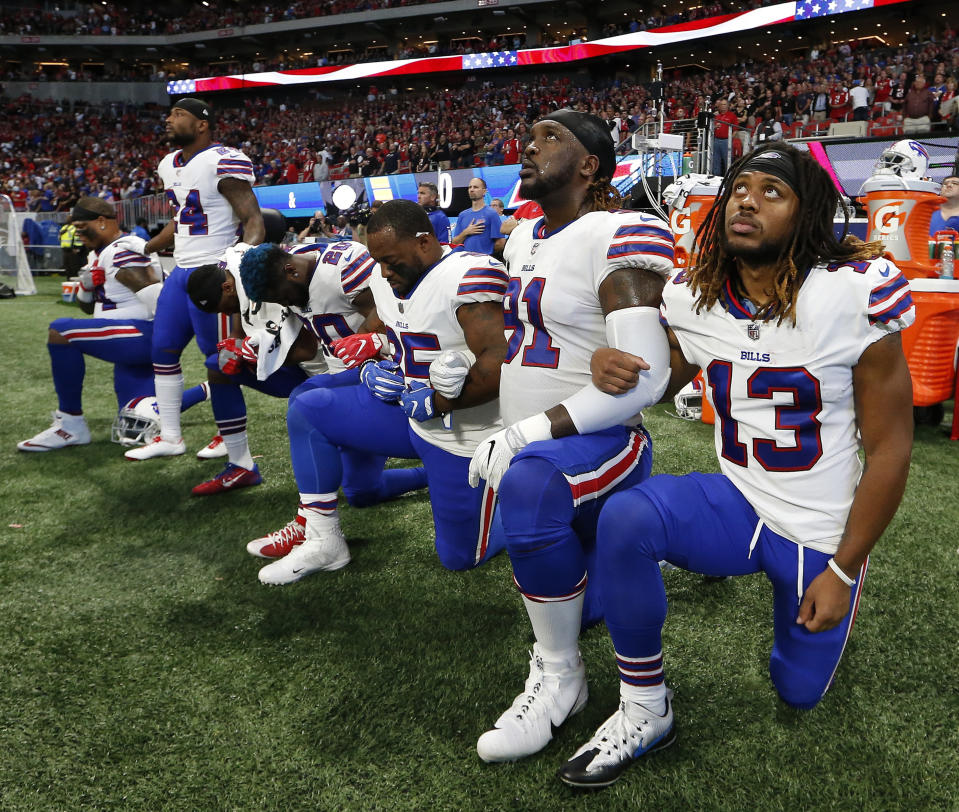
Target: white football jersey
[(205, 222), (554, 321), (423, 324), (114, 300), (341, 273), (785, 429)]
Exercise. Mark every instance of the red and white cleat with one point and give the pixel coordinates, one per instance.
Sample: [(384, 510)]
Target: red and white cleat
[(280, 542), (216, 448), (231, 478)]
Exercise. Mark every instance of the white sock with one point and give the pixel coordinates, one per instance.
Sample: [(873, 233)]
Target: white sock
[(556, 627), (652, 697), (238, 450), (169, 394), (319, 510)]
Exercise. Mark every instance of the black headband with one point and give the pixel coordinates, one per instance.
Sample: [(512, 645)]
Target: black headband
[(80, 213), (195, 107), (591, 131), (779, 164)]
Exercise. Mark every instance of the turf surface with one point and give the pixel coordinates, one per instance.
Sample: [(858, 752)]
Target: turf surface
[(144, 667)]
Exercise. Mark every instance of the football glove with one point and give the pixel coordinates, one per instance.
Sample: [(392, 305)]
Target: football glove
[(384, 379), (357, 348), (448, 372), (493, 456), (235, 352), (417, 401), (93, 278)]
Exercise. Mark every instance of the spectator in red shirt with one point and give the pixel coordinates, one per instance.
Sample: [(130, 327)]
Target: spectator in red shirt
[(883, 89), (511, 148), (838, 102), (723, 123), (529, 210)]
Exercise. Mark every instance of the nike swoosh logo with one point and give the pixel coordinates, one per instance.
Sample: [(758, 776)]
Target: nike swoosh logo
[(489, 455), (299, 570), (885, 272)]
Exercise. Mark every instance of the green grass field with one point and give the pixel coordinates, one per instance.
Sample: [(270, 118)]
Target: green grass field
[(145, 668)]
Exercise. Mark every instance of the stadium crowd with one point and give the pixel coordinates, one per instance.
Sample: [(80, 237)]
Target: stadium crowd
[(105, 18), (51, 153)]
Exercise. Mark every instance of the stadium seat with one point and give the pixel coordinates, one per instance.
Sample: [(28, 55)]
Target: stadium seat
[(848, 129)]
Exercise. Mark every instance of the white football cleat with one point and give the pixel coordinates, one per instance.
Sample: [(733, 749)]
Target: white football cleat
[(67, 429), (216, 448), (629, 733), (553, 692), (279, 543), (158, 447), (326, 550)]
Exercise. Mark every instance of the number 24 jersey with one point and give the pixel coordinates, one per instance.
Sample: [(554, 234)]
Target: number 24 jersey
[(205, 221)]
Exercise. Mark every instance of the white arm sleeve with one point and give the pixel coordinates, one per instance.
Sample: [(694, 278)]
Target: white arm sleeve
[(635, 330)]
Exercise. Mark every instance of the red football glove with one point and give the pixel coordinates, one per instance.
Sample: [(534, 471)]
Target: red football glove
[(357, 348), (98, 276), (234, 353)]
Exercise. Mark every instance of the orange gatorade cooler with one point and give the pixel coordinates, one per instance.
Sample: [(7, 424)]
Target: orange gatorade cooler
[(930, 344), (900, 211), (690, 199)]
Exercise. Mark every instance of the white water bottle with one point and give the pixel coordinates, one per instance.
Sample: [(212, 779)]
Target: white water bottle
[(947, 261)]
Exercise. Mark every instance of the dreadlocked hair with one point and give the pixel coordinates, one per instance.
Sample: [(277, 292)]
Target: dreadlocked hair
[(601, 195), (813, 240)]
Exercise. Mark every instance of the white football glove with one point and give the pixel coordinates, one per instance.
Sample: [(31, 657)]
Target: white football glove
[(493, 456), (448, 372)]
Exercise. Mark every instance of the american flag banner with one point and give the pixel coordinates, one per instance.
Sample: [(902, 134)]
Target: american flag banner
[(793, 11), (497, 59), (807, 9)]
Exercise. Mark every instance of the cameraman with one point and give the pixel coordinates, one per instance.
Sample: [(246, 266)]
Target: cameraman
[(317, 229)]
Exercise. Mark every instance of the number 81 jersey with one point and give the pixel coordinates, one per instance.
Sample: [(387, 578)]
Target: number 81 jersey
[(554, 320), (785, 430), (206, 224)]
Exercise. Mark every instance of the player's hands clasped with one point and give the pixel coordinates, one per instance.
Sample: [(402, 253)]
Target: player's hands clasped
[(93, 278), (357, 348), (417, 401), (448, 373), (235, 353), (384, 379), (615, 372)]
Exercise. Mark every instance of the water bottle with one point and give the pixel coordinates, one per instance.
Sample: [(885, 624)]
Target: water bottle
[(948, 260)]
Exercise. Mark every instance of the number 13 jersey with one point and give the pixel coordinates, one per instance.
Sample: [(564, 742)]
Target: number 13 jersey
[(554, 321), (785, 431)]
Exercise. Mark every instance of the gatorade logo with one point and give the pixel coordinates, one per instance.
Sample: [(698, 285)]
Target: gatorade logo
[(679, 221), (889, 219)]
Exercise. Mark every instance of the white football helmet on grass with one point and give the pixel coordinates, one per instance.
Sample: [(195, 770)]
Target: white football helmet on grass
[(137, 423)]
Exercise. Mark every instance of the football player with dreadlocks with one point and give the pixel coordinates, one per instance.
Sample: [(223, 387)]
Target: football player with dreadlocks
[(797, 334), (580, 277)]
